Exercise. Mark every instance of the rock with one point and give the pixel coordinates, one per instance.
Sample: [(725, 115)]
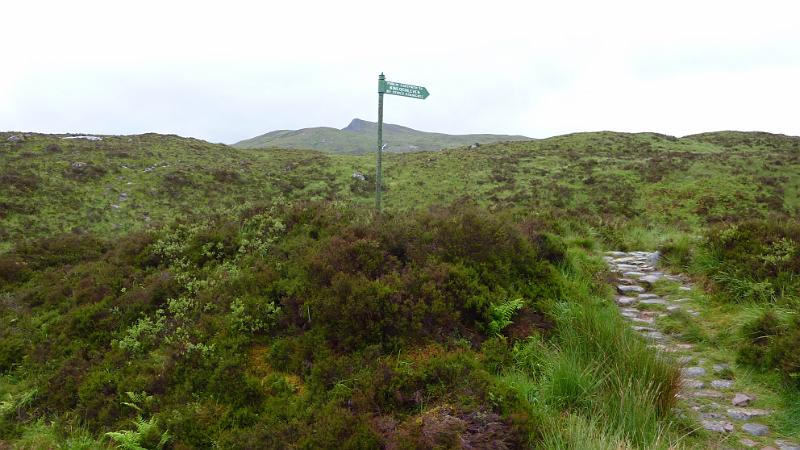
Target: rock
[(681, 300), (693, 372), (653, 301), (15, 138), (756, 429), (625, 301), (627, 267), (684, 346), (633, 274), (673, 308), (685, 288), (786, 445), (722, 384), (685, 360), (693, 384), (645, 320), (616, 254), (707, 394), (630, 315), (717, 426), (647, 296), (748, 443), (623, 289), (78, 165), (653, 258), (746, 413), (88, 138), (654, 335), (359, 176), (650, 279), (741, 399), (624, 259), (642, 329)]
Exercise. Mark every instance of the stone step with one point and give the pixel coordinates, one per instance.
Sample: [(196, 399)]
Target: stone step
[(746, 413)]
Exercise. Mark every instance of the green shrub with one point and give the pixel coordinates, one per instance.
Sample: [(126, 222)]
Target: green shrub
[(771, 343), (12, 350)]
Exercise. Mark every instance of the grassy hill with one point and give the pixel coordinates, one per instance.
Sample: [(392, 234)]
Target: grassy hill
[(361, 137), (123, 183), (171, 293)]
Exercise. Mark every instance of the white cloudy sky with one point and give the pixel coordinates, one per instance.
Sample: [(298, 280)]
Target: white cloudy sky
[(229, 70)]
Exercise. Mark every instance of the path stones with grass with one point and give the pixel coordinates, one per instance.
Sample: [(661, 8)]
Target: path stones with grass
[(706, 389)]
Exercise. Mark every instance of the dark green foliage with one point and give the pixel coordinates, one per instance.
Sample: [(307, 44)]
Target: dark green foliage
[(762, 249), (309, 307), (12, 350), (21, 181), (772, 343), (82, 171), (60, 250)]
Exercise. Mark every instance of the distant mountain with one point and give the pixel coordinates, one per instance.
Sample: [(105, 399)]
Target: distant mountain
[(361, 136)]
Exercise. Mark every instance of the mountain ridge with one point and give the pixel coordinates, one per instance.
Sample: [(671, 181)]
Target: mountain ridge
[(359, 136)]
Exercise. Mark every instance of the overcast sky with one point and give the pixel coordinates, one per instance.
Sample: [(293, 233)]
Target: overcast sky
[(229, 70)]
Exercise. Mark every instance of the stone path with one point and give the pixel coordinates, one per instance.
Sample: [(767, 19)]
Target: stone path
[(707, 386)]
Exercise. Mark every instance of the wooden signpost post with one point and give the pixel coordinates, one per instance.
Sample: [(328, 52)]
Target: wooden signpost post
[(392, 88)]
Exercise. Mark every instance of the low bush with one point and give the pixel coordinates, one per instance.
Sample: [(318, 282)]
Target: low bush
[(771, 342)]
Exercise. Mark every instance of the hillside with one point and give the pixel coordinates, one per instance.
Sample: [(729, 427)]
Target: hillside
[(122, 183), (163, 292), (360, 136)]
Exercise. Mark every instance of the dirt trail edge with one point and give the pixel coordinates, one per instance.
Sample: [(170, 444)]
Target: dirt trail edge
[(708, 387)]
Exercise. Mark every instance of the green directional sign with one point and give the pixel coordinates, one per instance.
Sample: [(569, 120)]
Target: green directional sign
[(403, 90), (406, 90)]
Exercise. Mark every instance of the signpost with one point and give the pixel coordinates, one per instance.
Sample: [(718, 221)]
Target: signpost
[(403, 90)]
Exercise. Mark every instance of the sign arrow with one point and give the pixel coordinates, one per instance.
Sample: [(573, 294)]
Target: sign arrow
[(406, 90)]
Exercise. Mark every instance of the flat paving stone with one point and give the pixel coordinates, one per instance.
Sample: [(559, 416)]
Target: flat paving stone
[(685, 360), (692, 384), (749, 443), (783, 444), (646, 296), (654, 301), (673, 308), (625, 301), (721, 384), (633, 274), (641, 329), (624, 259), (645, 320), (717, 426), (684, 288), (708, 393), (693, 372), (622, 288), (746, 413), (756, 429), (650, 279)]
